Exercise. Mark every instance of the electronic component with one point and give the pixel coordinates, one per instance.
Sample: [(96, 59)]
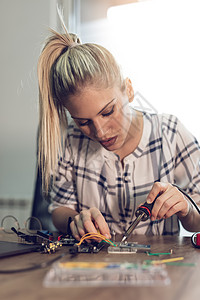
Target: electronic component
[(50, 247), (128, 248), (44, 239), (67, 240), (83, 246), (37, 238), (93, 247)]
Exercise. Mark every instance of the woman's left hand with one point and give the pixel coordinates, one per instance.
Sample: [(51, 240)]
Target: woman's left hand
[(169, 202)]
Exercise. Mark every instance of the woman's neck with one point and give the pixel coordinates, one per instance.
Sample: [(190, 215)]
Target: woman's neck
[(133, 137)]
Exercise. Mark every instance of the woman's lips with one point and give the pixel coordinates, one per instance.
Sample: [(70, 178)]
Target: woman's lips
[(109, 142)]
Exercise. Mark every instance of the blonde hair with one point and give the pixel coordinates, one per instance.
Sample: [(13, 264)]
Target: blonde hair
[(64, 67)]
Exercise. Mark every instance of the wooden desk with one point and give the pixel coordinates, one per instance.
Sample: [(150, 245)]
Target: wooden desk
[(185, 280)]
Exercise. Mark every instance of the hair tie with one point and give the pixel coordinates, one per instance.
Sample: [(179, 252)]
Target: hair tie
[(72, 45)]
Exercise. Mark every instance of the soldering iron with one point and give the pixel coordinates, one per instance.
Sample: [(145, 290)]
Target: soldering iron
[(142, 214)]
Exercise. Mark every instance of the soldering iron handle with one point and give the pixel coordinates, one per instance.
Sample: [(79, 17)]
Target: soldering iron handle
[(145, 208)]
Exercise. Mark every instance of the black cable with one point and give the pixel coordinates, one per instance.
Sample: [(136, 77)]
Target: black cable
[(197, 208), (34, 267), (193, 202)]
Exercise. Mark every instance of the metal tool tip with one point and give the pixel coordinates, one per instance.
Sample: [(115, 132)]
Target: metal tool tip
[(123, 239)]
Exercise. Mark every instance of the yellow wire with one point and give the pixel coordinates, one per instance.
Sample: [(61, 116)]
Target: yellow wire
[(95, 235), (89, 236)]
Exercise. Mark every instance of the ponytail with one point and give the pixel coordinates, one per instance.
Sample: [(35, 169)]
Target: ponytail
[(52, 117)]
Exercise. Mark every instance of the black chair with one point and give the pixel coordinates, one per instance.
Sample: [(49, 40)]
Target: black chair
[(40, 205)]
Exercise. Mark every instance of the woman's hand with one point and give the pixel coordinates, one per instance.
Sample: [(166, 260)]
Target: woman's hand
[(169, 202), (89, 220)]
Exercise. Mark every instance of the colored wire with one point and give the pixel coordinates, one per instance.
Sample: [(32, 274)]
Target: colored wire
[(158, 254), (93, 235), (163, 261)]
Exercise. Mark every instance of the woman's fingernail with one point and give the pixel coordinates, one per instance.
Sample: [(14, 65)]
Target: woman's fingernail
[(148, 200)]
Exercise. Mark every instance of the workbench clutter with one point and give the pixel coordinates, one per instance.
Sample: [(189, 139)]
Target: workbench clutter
[(67, 269), (127, 271), (29, 234)]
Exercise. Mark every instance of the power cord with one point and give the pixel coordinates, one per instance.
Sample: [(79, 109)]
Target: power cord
[(185, 194), (195, 238), (34, 267)]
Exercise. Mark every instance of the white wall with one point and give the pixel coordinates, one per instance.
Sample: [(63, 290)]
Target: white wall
[(157, 44), (160, 49), (23, 27)]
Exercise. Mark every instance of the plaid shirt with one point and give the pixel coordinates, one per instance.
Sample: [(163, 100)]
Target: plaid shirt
[(90, 176)]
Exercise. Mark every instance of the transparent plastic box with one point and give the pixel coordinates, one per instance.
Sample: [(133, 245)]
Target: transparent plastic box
[(79, 274)]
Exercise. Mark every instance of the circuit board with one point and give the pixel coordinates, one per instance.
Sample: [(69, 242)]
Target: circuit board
[(128, 248), (93, 247)]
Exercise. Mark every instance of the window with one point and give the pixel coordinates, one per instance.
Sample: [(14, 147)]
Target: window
[(157, 43)]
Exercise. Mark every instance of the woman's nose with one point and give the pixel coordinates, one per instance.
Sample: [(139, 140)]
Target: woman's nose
[(100, 129)]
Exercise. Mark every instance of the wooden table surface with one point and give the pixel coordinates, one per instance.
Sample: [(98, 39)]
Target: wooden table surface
[(185, 280)]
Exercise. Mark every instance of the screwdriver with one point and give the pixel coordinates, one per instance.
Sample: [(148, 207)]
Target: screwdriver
[(142, 214)]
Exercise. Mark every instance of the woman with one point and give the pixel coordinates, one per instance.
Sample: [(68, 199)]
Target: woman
[(108, 158)]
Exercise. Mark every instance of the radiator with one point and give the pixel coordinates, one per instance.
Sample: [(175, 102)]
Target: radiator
[(19, 208)]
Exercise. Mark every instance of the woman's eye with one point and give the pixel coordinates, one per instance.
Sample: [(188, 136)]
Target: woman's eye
[(105, 114), (84, 123)]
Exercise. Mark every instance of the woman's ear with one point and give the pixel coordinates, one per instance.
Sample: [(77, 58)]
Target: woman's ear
[(129, 89)]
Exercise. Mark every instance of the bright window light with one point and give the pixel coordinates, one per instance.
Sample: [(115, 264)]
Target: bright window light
[(157, 43)]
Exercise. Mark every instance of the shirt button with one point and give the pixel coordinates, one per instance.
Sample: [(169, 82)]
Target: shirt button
[(126, 178)]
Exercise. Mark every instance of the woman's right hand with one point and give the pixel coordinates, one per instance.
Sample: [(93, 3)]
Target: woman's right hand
[(89, 220)]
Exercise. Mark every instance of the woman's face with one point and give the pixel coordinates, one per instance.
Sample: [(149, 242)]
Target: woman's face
[(103, 115)]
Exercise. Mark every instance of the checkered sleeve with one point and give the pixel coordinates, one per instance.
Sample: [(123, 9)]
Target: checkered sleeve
[(187, 162), (180, 163), (63, 190)]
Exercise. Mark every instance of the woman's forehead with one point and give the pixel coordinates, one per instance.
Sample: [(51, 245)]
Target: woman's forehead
[(91, 101)]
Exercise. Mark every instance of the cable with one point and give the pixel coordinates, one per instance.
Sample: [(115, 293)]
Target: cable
[(193, 202), (93, 235), (34, 267)]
